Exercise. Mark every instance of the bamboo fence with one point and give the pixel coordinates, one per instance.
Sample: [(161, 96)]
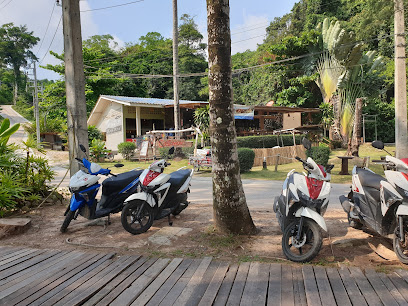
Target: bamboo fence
[(278, 156)]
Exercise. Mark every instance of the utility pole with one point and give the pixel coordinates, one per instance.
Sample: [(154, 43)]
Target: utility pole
[(36, 106), (35, 100), (401, 137), (74, 82), (175, 69)]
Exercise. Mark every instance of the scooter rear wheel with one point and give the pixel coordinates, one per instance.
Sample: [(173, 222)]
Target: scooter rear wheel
[(308, 245), (401, 249), (70, 215), (137, 217)]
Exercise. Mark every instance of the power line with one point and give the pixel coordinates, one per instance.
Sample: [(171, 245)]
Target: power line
[(6, 4), (108, 7), (45, 33), (56, 30)]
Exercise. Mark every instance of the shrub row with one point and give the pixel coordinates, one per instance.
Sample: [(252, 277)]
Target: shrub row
[(267, 141), (319, 154)]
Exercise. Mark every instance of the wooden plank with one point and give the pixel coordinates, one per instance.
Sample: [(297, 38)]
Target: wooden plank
[(353, 292), (380, 288), (325, 291), (17, 286), (150, 291), (403, 274), (27, 267), (340, 293), (194, 281), (365, 287), (392, 289), (256, 285), (299, 286), (68, 284), (239, 284), (127, 282), (312, 293), (14, 252), (93, 285), (115, 282), (224, 291), (44, 284), (170, 282), (8, 281), (137, 287), (275, 284), (215, 284), (202, 285), (400, 284), (78, 280), (11, 262), (174, 293), (287, 294)]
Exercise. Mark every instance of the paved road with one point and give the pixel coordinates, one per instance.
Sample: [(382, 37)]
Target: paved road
[(259, 193), (6, 111)]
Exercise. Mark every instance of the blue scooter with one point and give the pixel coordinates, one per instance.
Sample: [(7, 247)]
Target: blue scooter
[(84, 187)]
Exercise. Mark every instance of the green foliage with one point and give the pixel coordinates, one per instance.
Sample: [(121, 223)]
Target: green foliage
[(385, 120), (267, 141), (12, 189), (246, 159), (126, 149), (319, 154), (94, 133), (97, 149), (6, 131), (185, 152)]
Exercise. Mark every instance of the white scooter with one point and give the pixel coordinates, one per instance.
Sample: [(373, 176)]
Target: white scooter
[(160, 195), (300, 209)]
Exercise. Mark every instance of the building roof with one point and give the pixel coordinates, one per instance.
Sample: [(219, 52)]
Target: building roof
[(104, 101)]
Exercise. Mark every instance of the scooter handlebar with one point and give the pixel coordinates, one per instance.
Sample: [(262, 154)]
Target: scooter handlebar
[(305, 163)]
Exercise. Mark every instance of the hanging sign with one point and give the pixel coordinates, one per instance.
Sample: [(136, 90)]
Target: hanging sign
[(243, 112)]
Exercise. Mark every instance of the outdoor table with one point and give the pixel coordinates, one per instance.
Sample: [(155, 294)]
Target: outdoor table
[(344, 164)]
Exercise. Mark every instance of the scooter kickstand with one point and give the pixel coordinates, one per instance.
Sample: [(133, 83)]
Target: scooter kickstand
[(170, 222), (109, 221)]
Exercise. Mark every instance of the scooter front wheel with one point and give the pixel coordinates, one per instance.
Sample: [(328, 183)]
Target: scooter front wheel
[(70, 215), (137, 217), (307, 246), (401, 248)]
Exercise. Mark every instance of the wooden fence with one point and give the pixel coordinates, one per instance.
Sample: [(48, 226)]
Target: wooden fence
[(279, 156)]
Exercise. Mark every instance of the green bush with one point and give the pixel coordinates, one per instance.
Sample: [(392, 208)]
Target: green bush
[(97, 149), (319, 154), (267, 141), (127, 149), (246, 158), (164, 153), (94, 133)]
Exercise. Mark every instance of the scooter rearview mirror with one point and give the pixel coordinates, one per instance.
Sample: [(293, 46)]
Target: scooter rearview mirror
[(118, 165), (81, 146), (306, 143), (378, 144)]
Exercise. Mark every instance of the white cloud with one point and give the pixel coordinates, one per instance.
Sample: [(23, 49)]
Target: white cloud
[(249, 34), (36, 15)]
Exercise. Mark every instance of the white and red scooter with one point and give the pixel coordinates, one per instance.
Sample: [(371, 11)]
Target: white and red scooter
[(300, 209), (160, 195), (379, 203)]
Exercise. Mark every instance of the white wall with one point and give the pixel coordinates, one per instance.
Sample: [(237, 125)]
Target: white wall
[(292, 120), (112, 124)]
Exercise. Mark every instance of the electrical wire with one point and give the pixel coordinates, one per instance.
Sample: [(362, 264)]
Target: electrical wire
[(6, 4), (56, 30), (113, 6), (45, 33)]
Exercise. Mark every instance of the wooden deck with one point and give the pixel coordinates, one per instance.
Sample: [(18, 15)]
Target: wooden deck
[(50, 277)]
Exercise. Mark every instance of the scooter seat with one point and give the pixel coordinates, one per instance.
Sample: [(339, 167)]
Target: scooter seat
[(369, 179), (178, 178), (115, 184)]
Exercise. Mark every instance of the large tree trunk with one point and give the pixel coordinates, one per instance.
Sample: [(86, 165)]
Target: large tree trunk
[(355, 142), (334, 131), (231, 213)]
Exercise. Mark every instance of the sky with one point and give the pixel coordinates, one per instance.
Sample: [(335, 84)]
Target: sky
[(127, 23)]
